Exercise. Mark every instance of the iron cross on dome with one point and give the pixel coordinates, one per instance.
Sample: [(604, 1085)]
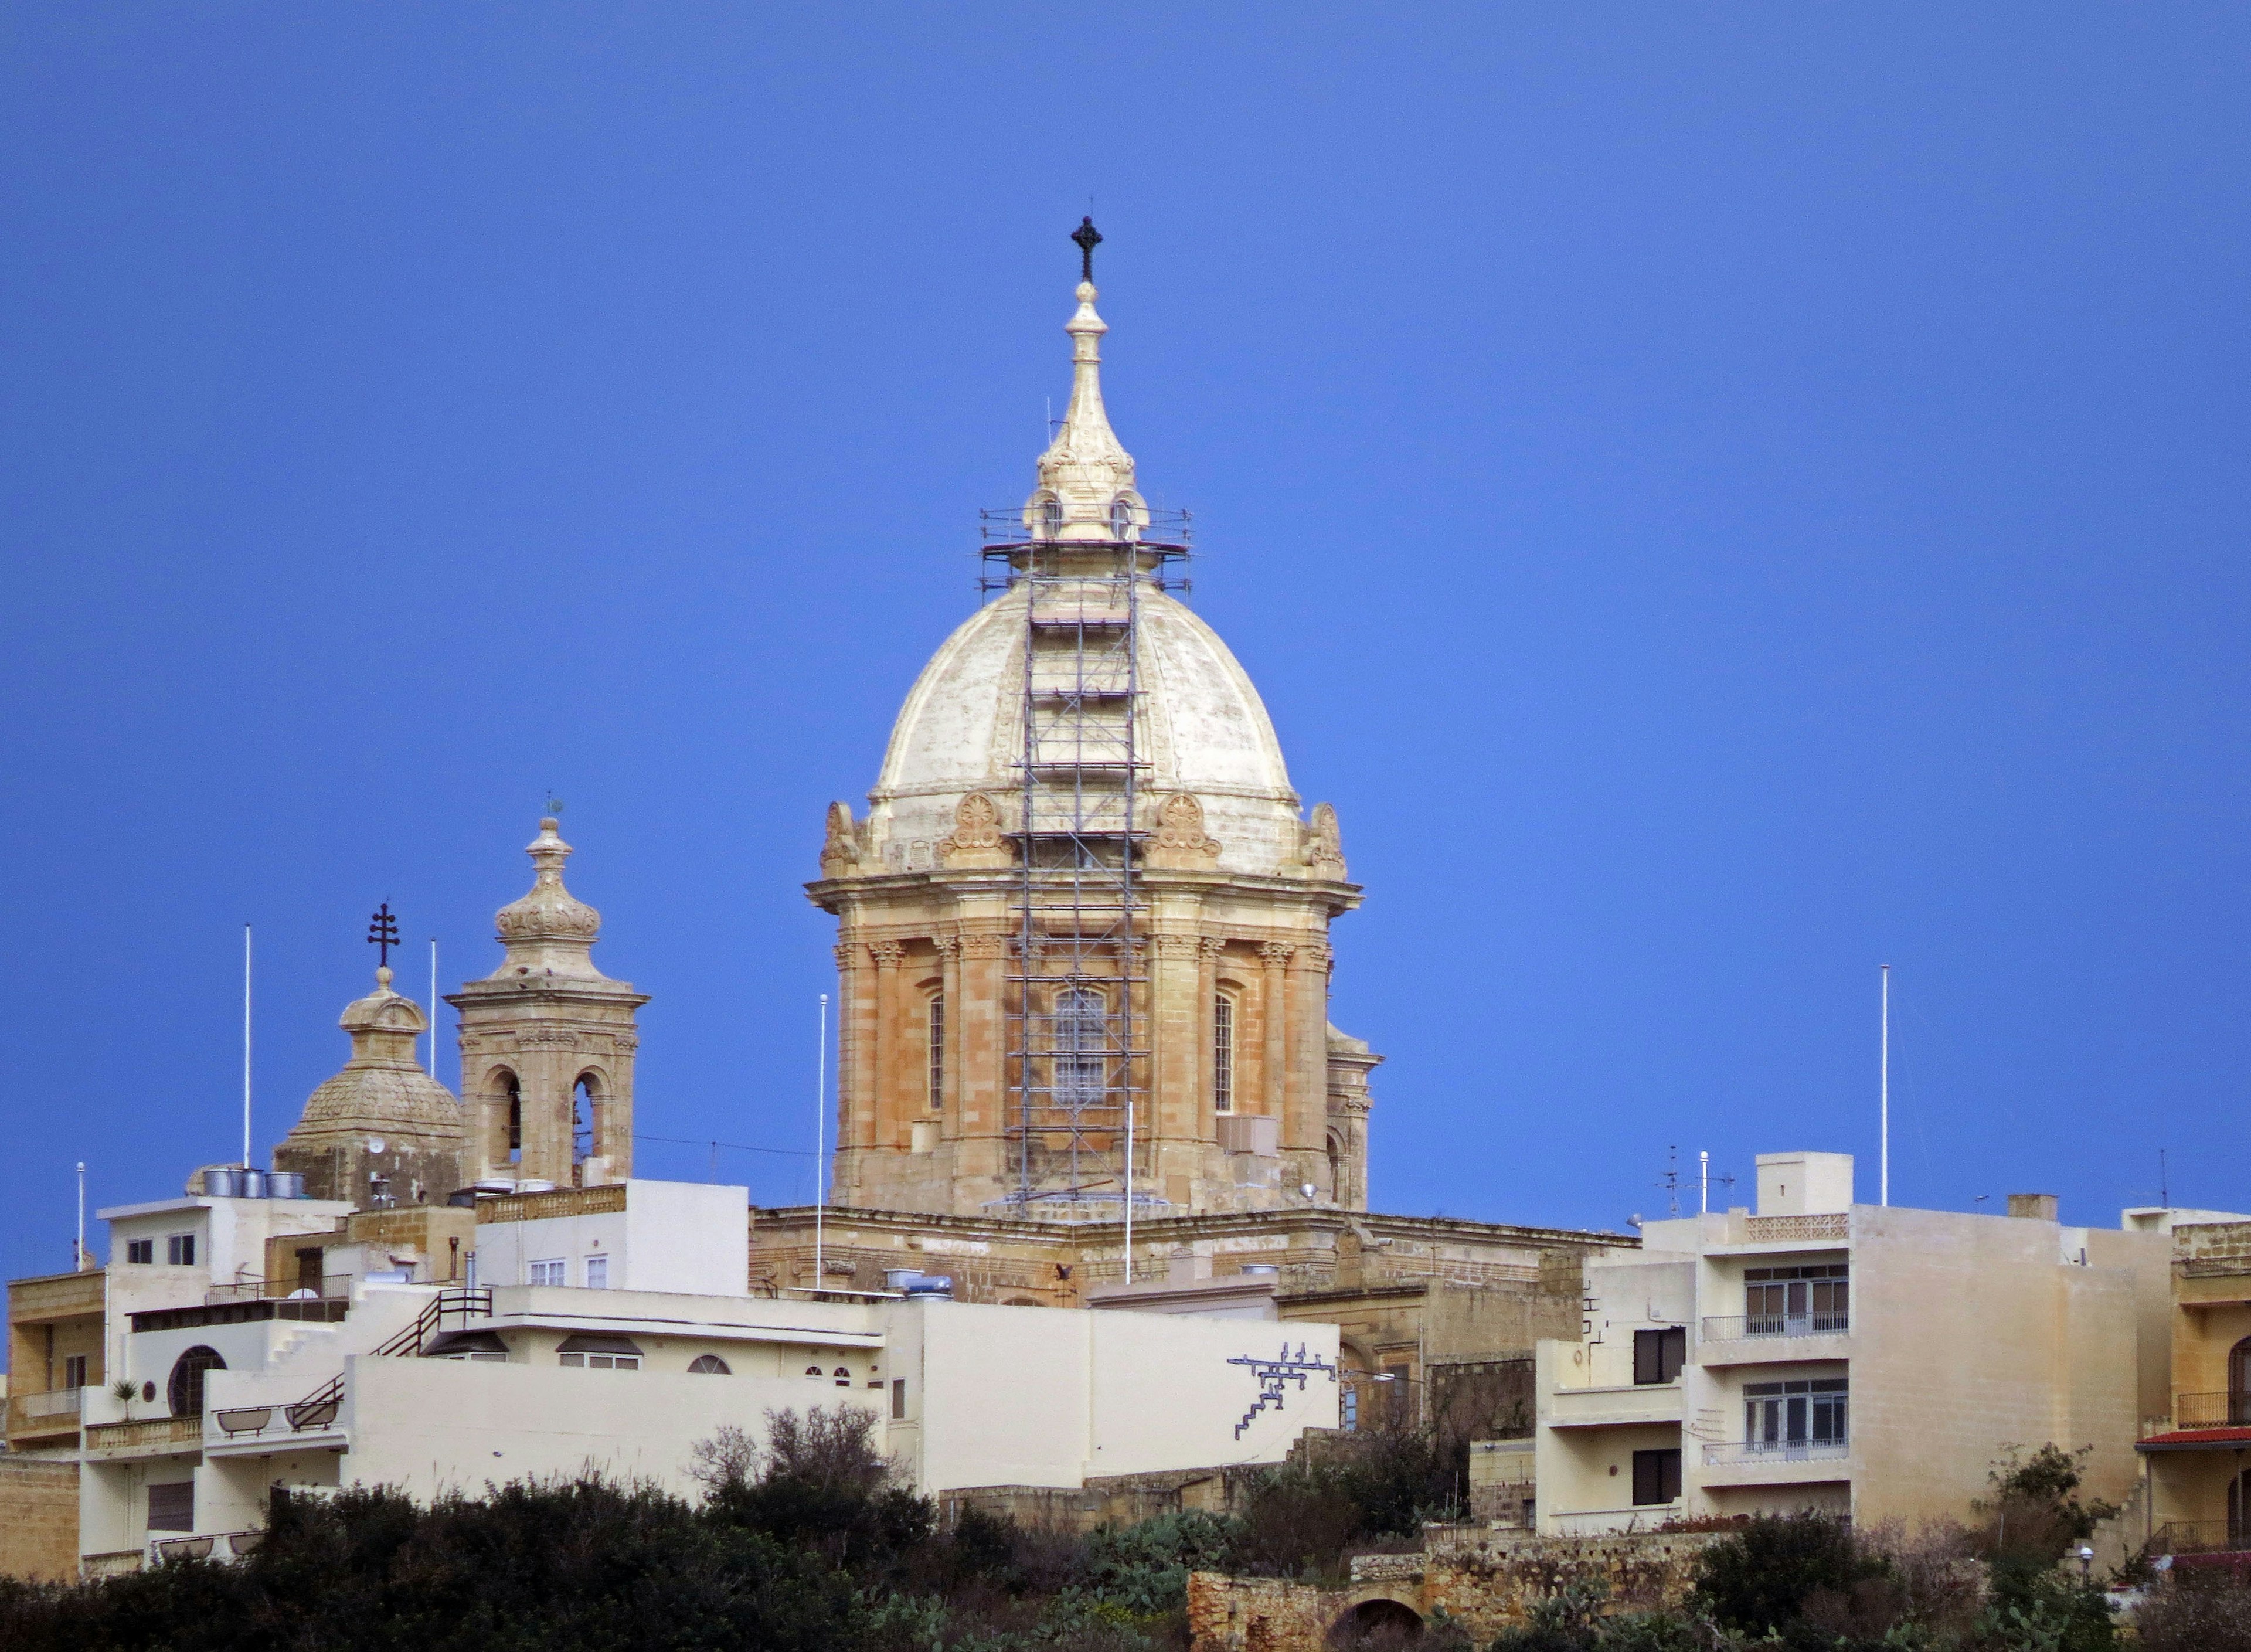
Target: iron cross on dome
[(383, 933), (1088, 237)]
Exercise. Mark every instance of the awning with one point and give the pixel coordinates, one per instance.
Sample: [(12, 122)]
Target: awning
[(464, 1342), (2199, 1440), (597, 1344)]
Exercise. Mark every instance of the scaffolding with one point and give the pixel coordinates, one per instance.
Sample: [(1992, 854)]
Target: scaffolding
[(1077, 1052)]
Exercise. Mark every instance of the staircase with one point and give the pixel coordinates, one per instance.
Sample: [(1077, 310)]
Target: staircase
[(318, 1409)]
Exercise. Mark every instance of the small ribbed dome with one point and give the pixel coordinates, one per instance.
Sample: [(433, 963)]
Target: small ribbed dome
[(383, 1089), (1203, 730)]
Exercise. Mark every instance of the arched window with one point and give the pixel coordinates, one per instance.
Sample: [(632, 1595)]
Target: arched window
[(586, 1102), (813, 1373), (709, 1365), (1081, 1035), (1222, 1054), (185, 1391), (937, 1050), (2239, 1384), (843, 1377), (1051, 518), (512, 1092), (1336, 1168), (1121, 519)]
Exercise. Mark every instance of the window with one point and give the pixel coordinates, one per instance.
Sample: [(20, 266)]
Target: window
[(1658, 1355), (709, 1365), (1121, 519), (1349, 1413), (140, 1249), (843, 1377), (1050, 518), (549, 1273), (184, 1390), (597, 1273), (937, 1050), (813, 1373), (1079, 1026), (180, 1250), (74, 1370), (1656, 1477), (1780, 1416), (584, 1120), (172, 1506), (1794, 1302), (2239, 1384), (1222, 1054), (513, 1090), (599, 1353), (899, 1399), (474, 1347)]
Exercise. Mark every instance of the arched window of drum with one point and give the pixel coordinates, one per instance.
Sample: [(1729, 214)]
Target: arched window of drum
[(1081, 1035), (709, 1365), (1121, 519), (1050, 518), (1222, 1054), (937, 1050), (185, 1391)]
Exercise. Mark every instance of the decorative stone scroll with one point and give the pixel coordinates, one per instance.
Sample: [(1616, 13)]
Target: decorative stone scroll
[(1181, 842), (1324, 844), (976, 839), (840, 851)]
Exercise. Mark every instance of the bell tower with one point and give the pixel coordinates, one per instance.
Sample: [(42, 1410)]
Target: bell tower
[(548, 1043)]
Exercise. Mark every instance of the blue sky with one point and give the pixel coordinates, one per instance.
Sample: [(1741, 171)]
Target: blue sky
[(1720, 499)]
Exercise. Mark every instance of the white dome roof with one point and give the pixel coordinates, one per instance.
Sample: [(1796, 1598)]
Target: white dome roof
[(1200, 727)]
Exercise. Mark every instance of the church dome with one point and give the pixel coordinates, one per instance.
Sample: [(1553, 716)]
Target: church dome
[(383, 1089), (1200, 728)]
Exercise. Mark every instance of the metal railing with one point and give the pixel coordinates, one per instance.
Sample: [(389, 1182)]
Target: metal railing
[(1730, 1328), (2197, 1537), (1719, 1452), (331, 1288), (2227, 1409), (319, 1408)]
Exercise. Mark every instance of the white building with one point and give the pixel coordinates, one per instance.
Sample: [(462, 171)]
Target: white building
[(610, 1328), (1861, 1359)]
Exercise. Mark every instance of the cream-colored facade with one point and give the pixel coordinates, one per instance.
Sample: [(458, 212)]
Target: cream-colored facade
[(620, 1360), (1083, 864), (1862, 1359), (2196, 1448)]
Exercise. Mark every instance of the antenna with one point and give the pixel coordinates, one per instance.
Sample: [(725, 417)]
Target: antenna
[(433, 1006), (1670, 1182), (2164, 1185), (246, 1058), (1884, 1090), (77, 1261), (819, 1137)]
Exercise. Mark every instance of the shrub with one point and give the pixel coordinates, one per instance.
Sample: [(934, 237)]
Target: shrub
[(2202, 1610), (1759, 1579)]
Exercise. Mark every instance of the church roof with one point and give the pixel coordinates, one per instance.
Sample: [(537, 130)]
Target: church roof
[(1203, 728), (383, 1089)]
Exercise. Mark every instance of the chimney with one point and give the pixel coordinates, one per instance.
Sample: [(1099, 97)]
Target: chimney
[(2038, 1207)]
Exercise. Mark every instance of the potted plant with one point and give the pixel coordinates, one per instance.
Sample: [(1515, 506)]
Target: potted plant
[(125, 1392)]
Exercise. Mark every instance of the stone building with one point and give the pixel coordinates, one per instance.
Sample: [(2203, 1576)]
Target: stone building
[(382, 1132)]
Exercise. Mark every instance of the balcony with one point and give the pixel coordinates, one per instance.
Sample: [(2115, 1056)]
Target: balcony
[(2197, 1537), (2223, 1410), (1741, 1453), (31, 1416), (145, 1437), (331, 1288), (56, 1297), (1731, 1328)]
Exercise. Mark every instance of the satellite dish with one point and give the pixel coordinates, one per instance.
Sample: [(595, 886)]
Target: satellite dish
[(375, 1144)]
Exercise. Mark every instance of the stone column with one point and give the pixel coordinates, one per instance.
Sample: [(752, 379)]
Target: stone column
[(854, 996), (1274, 1021), (1171, 1110), (882, 1110), (1306, 1126), (981, 1089)]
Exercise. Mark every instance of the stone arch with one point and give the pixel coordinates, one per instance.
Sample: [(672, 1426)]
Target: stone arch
[(1379, 1619), (504, 1093), (590, 1121)]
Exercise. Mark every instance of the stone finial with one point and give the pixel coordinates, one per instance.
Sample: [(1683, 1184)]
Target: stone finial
[(548, 928), (1324, 844), (840, 848)]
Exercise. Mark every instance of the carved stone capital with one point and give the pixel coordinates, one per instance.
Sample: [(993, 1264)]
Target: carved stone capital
[(1275, 953), (1211, 947), (1314, 955), (984, 946), (946, 944), (887, 954), (848, 956), (1180, 946)]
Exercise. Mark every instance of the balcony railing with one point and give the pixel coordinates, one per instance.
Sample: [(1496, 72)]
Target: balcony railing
[(1730, 1328), (2197, 1537), (330, 1288), (144, 1432), (1720, 1454), (52, 1412), (2225, 1410)]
